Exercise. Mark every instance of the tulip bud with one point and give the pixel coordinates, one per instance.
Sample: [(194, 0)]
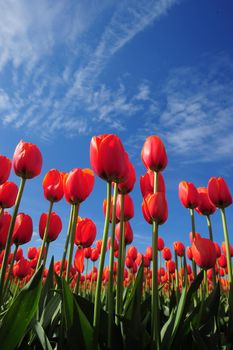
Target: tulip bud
[(55, 226), (154, 154), (188, 195), (219, 192), (53, 185), (78, 185), (204, 253), (85, 233), (8, 194), (27, 160), (23, 229), (5, 169)]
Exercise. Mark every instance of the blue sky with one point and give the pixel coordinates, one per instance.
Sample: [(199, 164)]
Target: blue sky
[(73, 69)]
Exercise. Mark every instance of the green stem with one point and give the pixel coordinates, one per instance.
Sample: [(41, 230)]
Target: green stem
[(97, 304), (120, 267), (46, 253), (177, 278), (70, 255), (76, 288), (67, 240), (155, 328), (206, 284), (110, 278), (10, 269), (227, 243), (9, 237), (211, 238), (193, 236), (45, 235), (85, 284)]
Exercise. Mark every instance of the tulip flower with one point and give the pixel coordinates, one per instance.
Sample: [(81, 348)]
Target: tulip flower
[(32, 253), (85, 233), (160, 243), (179, 248), (189, 253), (21, 269), (27, 160), (8, 194), (5, 220), (166, 252), (128, 233), (53, 185), (94, 254), (132, 252), (5, 168), (205, 206), (155, 206), (55, 226), (23, 229), (78, 186), (154, 154), (108, 158), (148, 253), (222, 261), (79, 260), (128, 207), (127, 185), (188, 195), (147, 183), (219, 192), (204, 253)]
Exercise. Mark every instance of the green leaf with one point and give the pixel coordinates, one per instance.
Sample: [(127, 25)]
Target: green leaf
[(47, 290), (230, 313), (42, 336), (20, 313)]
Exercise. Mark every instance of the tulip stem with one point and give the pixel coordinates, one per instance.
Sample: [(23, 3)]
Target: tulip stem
[(227, 242), (97, 304), (67, 240), (120, 267), (10, 269), (9, 237), (72, 235), (85, 284), (211, 238), (45, 236), (177, 278), (111, 262), (193, 236), (155, 329)]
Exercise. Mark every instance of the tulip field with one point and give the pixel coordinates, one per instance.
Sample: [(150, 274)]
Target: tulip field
[(164, 298)]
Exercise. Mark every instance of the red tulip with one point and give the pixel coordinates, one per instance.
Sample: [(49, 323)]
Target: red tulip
[(105, 208), (188, 195), (8, 194), (128, 233), (179, 248), (148, 253), (205, 206), (21, 269), (94, 254), (139, 259), (132, 252), (98, 245), (160, 243), (79, 260), (78, 185), (218, 249), (55, 226), (108, 158), (27, 160), (19, 254), (129, 262), (154, 154), (5, 220), (128, 184), (219, 192), (189, 253), (224, 249), (171, 266), (53, 185), (85, 233), (222, 261), (87, 252), (5, 169), (115, 246), (128, 207), (166, 252), (156, 207), (23, 229), (204, 253), (32, 253), (196, 235), (147, 183)]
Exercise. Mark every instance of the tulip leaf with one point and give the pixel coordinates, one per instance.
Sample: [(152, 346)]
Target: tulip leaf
[(45, 343), (230, 313), (47, 290), (18, 317)]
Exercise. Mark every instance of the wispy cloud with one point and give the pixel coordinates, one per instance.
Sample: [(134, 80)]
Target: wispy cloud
[(67, 97), (194, 111)]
